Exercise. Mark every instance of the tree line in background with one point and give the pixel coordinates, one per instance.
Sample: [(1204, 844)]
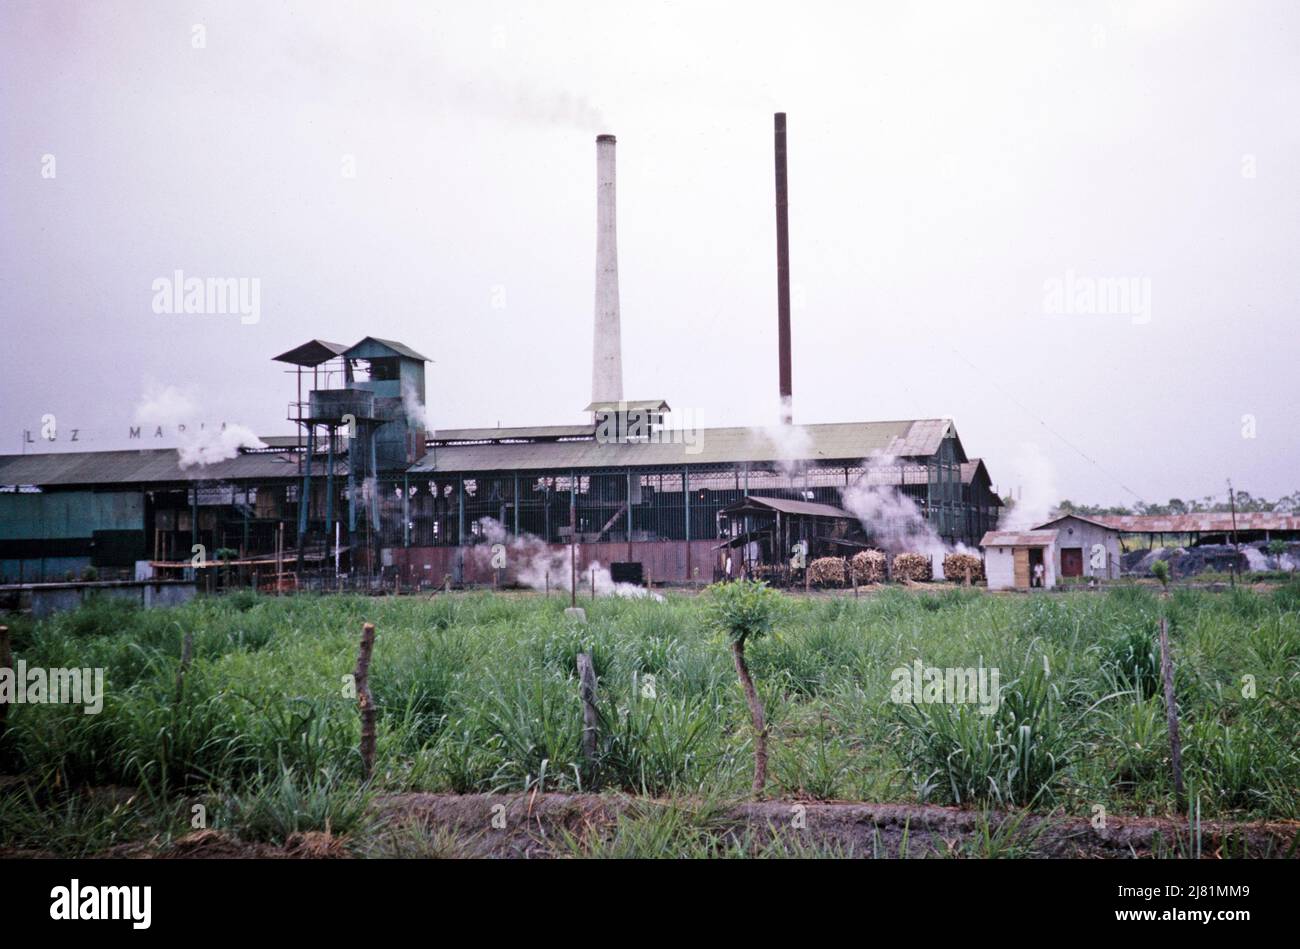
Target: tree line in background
[(1210, 504)]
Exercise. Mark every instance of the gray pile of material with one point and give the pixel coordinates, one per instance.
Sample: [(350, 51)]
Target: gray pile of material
[(1187, 561)]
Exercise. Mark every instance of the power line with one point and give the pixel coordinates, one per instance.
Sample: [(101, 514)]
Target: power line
[(1024, 408)]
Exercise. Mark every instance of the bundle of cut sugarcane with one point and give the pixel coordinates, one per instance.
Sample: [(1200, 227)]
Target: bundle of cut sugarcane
[(827, 571), (955, 567), (869, 566), (913, 567)]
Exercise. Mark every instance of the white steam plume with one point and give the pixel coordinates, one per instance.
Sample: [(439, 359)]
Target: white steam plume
[(541, 566), (1036, 496), (792, 444), (207, 446), (891, 518), (176, 410), (415, 409)]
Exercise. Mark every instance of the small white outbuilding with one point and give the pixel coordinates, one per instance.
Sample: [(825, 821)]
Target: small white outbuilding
[(1012, 559), (1085, 547)]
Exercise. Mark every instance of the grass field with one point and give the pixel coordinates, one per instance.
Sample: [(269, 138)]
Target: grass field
[(478, 693)]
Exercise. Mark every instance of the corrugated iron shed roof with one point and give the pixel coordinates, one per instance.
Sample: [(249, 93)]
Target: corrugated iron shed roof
[(788, 506), (1198, 523), (845, 442), (143, 466), (1034, 538)]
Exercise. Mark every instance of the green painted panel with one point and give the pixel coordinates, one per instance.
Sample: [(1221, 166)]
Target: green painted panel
[(69, 513)]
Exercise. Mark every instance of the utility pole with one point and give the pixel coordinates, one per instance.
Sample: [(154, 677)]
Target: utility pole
[(1236, 552)]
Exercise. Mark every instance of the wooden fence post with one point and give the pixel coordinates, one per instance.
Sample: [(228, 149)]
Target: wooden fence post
[(590, 717), (1171, 712), (187, 651), (365, 702)]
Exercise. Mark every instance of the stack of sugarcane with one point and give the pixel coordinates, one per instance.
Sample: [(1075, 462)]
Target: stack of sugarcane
[(827, 571), (913, 567), (869, 566), (956, 565)]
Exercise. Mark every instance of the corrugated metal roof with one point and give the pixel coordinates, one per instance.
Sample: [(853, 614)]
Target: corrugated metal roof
[(1034, 538), (281, 441), (968, 471), (144, 466), (359, 350), (628, 405), (788, 506), (843, 442), (847, 442), (525, 432), (1078, 517), (1198, 523), (311, 353)]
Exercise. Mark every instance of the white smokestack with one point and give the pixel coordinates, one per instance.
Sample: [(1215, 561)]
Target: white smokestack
[(607, 346)]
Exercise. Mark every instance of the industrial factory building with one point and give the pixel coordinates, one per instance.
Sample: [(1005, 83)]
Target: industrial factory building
[(364, 489), (351, 490)]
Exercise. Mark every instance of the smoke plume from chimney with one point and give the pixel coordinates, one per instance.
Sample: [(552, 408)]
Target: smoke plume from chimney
[(607, 346)]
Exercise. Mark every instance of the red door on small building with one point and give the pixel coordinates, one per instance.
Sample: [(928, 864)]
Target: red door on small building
[(1071, 561)]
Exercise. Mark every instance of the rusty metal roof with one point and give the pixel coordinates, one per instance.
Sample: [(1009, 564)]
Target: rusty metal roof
[(788, 506), (1034, 538), (1210, 523), (845, 442), (144, 466)]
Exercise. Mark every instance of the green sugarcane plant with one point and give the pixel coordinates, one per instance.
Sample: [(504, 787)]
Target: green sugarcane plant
[(745, 610), (1161, 570), (1277, 548)]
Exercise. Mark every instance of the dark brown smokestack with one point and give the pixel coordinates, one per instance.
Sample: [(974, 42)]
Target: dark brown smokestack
[(783, 272)]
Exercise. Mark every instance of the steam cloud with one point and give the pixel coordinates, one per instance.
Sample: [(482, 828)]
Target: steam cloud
[(1036, 500), (792, 444), (891, 518), (168, 407), (541, 566), (415, 409)]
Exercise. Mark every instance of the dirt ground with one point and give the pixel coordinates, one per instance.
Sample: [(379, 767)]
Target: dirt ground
[(534, 823), (557, 825)]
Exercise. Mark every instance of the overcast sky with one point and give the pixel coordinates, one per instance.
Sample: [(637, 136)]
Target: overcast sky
[(960, 176)]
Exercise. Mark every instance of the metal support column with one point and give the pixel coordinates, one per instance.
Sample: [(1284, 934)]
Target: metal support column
[(331, 434), (304, 496)]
